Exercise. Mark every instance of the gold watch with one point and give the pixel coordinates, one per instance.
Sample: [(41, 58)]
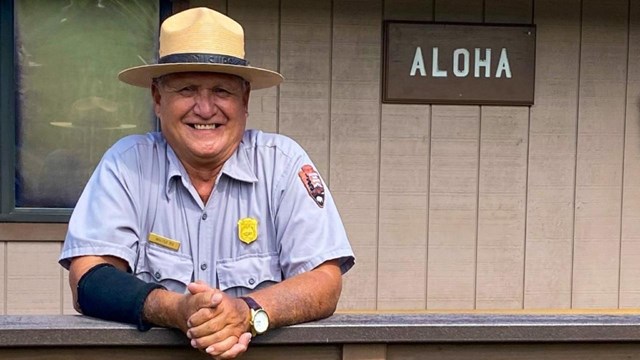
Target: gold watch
[(259, 318)]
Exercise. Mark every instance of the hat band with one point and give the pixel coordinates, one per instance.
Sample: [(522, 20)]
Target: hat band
[(202, 59)]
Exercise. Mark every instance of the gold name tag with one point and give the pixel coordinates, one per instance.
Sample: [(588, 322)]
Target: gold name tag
[(164, 242)]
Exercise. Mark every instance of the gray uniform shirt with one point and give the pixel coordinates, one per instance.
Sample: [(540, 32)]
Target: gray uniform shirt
[(140, 206)]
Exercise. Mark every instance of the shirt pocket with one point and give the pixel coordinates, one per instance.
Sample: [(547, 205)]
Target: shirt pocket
[(167, 268), (249, 272)]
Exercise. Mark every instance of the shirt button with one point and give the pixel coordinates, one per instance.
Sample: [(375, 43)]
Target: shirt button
[(157, 275), (204, 216), (252, 281), (203, 266)]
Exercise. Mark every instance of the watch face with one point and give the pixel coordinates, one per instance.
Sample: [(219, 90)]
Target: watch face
[(261, 321)]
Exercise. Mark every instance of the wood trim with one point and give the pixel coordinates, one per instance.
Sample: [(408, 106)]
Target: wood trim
[(32, 232)]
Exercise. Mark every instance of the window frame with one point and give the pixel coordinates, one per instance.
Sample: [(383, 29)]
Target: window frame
[(8, 210)]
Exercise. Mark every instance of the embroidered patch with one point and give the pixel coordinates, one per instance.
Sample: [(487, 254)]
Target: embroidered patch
[(248, 230), (313, 183)]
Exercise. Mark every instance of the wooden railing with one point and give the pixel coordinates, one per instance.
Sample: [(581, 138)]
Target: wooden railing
[(345, 336)]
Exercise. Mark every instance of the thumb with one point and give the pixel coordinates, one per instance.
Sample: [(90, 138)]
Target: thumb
[(198, 287)]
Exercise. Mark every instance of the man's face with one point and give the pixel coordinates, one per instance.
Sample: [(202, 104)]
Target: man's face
[(203, 115)]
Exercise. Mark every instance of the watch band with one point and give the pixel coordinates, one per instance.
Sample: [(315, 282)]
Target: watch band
[(252, 303)]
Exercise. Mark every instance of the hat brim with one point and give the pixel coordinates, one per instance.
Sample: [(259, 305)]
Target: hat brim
[(143, 76)]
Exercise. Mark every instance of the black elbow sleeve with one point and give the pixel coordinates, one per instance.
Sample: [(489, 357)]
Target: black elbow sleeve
[(111, 294)]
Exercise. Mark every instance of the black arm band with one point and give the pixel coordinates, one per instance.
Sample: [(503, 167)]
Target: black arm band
[(111, 294)]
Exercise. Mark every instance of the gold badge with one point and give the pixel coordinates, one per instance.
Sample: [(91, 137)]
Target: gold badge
[(248, 230), (164, 241)]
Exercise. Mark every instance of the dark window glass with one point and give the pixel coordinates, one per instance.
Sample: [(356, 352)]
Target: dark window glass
[(70, 105)]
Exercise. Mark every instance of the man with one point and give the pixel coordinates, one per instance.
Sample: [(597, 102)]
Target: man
[(207, 227)]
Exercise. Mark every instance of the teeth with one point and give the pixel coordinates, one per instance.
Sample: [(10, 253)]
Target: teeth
[(204, 126)]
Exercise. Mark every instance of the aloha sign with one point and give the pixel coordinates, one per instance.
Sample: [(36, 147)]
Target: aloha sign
[(443, 63)]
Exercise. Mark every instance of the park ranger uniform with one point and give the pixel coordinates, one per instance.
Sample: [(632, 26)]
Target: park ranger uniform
[(268, 218)]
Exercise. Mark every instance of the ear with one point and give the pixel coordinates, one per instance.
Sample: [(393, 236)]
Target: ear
[(245, 96), (157, 98)]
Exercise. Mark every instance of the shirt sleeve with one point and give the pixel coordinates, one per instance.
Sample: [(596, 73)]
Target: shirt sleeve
[(105, 220), (308, 233)]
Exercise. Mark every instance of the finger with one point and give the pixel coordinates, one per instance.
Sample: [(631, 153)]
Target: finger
[(206, 299), (201, 316), (245, 338), (198, 287), (240, 347), (235, 351), (212, 338), (216, 298), (221, 346)]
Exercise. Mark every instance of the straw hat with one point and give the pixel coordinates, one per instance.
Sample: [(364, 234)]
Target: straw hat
[(201, 39)]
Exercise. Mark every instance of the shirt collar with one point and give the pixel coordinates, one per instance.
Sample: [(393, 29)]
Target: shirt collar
[(174, 169), (238, 167)]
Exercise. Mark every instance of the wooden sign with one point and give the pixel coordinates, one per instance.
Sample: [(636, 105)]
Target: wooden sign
[(446, 63)]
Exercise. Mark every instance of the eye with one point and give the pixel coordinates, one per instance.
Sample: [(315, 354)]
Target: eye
[(187, 91), (221, 92)]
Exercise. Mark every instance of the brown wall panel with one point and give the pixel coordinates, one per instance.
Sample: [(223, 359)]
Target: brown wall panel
[(510, 12), (630, 251), (603, 78), (453, 207), (409, 10), (219, 5), (459, 10), (260, 20), (504, 143), (355, 133), (453, 188), (32, 232), (501, 207), (3, 274), (404, 186), (305, 54), (552, 142), (33, 278)]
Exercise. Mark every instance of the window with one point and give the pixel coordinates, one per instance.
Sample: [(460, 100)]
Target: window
[(61, 105)]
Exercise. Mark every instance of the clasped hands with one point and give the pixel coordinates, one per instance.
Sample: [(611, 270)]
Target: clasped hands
[(215, 322)]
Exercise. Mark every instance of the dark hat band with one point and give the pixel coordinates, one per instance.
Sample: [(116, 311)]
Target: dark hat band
[(202, 59)]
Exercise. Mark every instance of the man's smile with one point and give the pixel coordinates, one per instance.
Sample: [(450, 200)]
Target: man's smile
[(204, 126)]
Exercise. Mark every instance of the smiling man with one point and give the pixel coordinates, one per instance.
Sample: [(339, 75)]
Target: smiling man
[(207, 227)]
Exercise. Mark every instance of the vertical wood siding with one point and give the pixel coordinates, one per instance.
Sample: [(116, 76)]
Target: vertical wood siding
[(601, 115), (404, 190), (3, 277), (354, 166), (447, 207), (630, 244), (33, 278)]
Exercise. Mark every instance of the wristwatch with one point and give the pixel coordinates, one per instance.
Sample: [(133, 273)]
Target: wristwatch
[(259, 318)]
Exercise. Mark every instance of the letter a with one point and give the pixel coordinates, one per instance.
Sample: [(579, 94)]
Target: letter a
[(503, 65), (418, 63)]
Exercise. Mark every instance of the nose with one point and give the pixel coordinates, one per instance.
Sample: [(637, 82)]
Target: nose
[(205, 106)]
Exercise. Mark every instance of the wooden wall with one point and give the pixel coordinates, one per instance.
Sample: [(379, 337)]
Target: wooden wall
[(447, 207)]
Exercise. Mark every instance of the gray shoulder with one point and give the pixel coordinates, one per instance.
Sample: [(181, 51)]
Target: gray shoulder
[(263, 141), (138, 143)]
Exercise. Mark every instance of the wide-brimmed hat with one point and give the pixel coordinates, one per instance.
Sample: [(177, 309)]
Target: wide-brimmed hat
[(202, 40)]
